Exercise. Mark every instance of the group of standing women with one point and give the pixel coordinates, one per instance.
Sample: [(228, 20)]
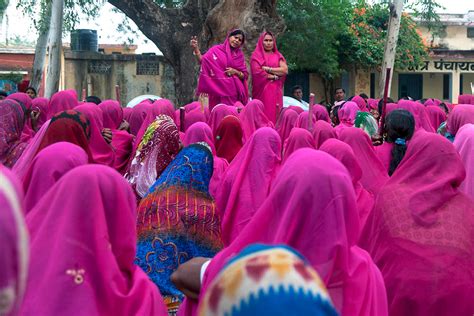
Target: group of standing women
[(112, 211), (224, 73)]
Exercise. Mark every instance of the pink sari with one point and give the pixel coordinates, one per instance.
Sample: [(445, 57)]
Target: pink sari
[(347, 115), (343, 152), (62, 101), (361, 103), (287, 122), (436, 116), (193, 117), (217, 115), (269, 91), (303, 121), (12, 122), (462, 114), (322, 131), (374, 174), (384, 153), (48, 167), (464, 143), (326, 235), (247, 182), (201, 132), (137, 117), (102, 152), (89, 269), (13, 243), (299, 138), (214, 81), (253, 117), (421, 232)]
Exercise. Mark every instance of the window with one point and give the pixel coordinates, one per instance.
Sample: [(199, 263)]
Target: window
[(446, 86), (372, 85), (470, 32), (99, 67), (148, 67)]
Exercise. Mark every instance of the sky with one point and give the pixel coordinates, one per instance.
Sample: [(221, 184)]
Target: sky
[(107, 22)]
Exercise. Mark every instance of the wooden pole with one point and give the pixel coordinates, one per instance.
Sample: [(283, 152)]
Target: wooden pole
[(117, 94), (384, 104), (182, 117), (310, 110), (84, 95)]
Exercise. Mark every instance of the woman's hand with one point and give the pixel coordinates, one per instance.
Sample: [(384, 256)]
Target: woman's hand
[(187, 278), (231, 71), (194, 43), (267, 69), (107, 135), (34, 115)]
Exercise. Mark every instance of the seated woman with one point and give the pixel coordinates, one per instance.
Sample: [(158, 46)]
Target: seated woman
[(223, 73), (86, 222), (421, 232), (177, 220)]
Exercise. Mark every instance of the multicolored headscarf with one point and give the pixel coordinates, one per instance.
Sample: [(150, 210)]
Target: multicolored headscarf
[(177, 220), (12, 121), (159, 145), (366, 122), (267, 280)]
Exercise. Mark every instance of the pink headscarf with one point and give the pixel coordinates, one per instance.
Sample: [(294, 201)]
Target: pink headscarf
[(384, 153), (436, 116), (89, 269), (126, 113), (360, 103), (253, 117), (228, 138), (112, 113), (287, 121), (13, 244), (326, 235), (214, 81), (373, 104), (41, 104), (374, 174), (419, 113), (12, 122), (298, 138), (322, 131), (247, 181), (347, 115), (462, 114), (48, 167), (421, 232), (201, 132), (21, 98), (303, 120), (295, 108), (320, 113), (218, 113), (102, 152), (343, 152), (137, 117), (464, 143), (464, 99), (62, 101), (193, 117)]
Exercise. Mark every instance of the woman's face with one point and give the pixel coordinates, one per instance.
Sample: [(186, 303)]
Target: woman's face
[(31, 93), (268, 43), (236, 40)]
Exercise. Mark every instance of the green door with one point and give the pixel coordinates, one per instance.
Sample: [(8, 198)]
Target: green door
[(410, 85)]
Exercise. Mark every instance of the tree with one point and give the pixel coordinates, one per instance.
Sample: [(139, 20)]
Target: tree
[(55, 46), (170, 25)]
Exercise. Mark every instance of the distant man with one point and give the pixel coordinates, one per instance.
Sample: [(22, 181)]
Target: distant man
[(297, 93), (339, 94)]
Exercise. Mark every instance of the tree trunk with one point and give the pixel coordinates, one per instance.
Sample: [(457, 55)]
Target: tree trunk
[(396, 9), (210, 20), (40, 55), (55, 43)]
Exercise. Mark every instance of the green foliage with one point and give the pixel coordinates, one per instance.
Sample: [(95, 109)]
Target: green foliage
[(3, 6), (425, 10), (325, 36)]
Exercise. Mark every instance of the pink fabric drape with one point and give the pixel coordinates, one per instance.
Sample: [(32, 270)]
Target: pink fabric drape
[(253, 117), (374, 174), (122, 142), (218, 113), (12, 122), (436, 116), (214, 81), (384, 153), (287, 123), (421, 232), (303, 121), (62, 101), (464, 144), (102, 152), (347, 115), (13, 244), (48, 167), (322, 131), (269, 91), (326, 235), (360, 103), (247, 181), (228, 138), (193, 117), (87, 221), (137, 117), (343, 152), (298, 138), (462, 114), (112, 113)]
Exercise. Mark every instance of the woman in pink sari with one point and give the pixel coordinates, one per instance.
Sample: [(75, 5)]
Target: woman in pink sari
[(217, 115), (193, 117), (122, 141), (322, 131), (421, 232), (89, 269), (253, 117), (318, 219), (298, 138), (223, 73), (436, 116), (201, 132), (228, 138), (12, 122), (48, 167), (374, 174), (464, 144), (347, 114), (14, 244), (102, 151), (62, 101), (343, 152), (247, 182), (287, 123), (462, 114), (269, 70)]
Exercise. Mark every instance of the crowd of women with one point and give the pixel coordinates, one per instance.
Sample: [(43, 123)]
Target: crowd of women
[(219, 210)]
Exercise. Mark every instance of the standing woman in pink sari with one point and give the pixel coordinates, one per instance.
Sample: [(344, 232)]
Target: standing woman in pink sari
[(223, 74), (269, 70)]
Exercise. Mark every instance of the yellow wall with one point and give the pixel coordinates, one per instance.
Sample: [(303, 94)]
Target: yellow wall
[(433, 86), (467, 79), (455, 38)]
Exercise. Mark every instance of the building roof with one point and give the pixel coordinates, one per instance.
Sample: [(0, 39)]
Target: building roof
[(456, 19)]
